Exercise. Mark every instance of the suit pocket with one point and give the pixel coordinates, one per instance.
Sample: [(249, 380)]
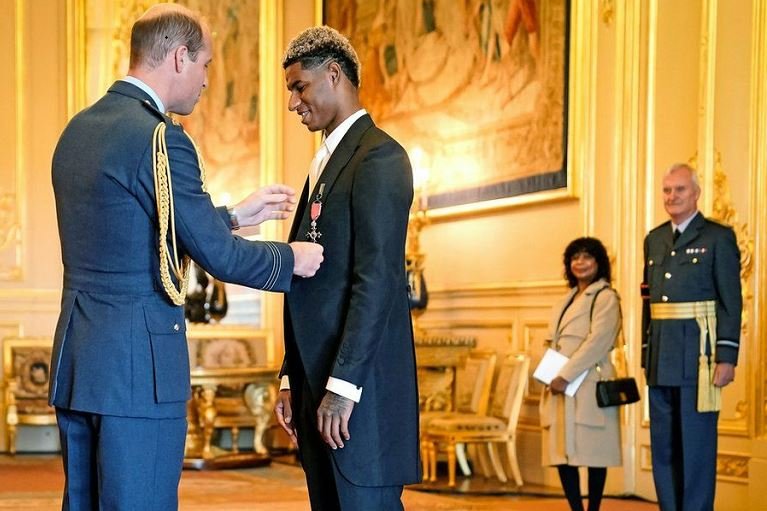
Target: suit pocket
[(170, 354)]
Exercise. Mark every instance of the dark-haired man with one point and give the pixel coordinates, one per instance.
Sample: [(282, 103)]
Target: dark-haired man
[(690, 341), (132, 208), (349, 378)]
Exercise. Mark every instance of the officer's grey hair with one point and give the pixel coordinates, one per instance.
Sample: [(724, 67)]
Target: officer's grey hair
[(156, 34), (316, 46), (688, 168)]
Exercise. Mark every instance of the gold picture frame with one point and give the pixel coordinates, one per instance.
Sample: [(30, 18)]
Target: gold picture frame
[(577, 116)]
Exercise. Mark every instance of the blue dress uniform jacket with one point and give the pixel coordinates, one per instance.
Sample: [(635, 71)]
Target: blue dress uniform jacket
[(703, 264), (120, 346), (351, 320)]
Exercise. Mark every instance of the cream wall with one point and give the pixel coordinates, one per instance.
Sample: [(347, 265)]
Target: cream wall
[(658, 82), (33, 103)]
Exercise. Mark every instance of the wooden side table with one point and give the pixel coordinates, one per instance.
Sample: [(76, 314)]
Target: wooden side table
[(205, 414), (437, 359)]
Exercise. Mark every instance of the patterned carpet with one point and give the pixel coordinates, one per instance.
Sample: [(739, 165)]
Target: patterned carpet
[(35, 482)]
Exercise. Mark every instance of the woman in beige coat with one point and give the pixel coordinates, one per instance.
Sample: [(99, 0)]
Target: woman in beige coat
[(584, 325)]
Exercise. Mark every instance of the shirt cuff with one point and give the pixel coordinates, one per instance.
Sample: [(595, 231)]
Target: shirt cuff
[(285, 382), (344, 388)]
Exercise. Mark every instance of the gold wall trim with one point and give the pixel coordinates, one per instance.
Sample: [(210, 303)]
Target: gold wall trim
[(518, 287), (76, 95), (14, 229), (757, 350), (650, 115), (607, 11), (628, 154), (493, 206), (730, 466), (318, 12), (706, 101), (581, 132), (465, 324), (271, 122)]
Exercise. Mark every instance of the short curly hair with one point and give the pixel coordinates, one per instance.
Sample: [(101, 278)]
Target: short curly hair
[(317, 45), (594, 248)]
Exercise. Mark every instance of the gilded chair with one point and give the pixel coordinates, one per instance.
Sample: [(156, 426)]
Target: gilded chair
[(473, 382), (498, 426), (26, 371)]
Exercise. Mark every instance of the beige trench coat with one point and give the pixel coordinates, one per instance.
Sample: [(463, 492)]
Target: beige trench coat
[(575, 431)]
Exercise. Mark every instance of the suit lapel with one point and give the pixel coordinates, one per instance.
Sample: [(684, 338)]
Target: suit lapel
[(300, 210), (692, 231), (580, 307), (335, 165), (342, 154)]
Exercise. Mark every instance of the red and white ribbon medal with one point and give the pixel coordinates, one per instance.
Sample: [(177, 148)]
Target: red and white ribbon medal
[(314, 213)]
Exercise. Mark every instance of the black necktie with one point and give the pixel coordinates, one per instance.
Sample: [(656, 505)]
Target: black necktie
[(676, 234)]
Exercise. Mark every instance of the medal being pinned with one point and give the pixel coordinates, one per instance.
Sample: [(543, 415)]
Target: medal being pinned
[(314, 213)]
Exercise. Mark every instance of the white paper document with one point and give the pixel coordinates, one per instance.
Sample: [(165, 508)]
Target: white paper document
[(548, 368)]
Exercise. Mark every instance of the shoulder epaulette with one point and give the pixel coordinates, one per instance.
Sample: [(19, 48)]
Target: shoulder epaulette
[(153, 109), (664, 225), (718, 223)]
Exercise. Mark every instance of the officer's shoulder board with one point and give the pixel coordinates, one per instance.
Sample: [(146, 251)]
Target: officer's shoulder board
[(664, 225), (717, 223), (159, 115)]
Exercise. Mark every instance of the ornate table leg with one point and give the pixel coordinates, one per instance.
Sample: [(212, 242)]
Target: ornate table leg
[(206, 411), (260, 399)]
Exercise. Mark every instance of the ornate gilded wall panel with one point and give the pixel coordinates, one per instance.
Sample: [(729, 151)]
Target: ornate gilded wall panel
[(11, 162)]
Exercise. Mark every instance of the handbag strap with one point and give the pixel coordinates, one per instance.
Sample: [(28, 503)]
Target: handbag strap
[(620, 339)]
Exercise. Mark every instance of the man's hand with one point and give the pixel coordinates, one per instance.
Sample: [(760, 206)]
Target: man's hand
[(333, 419), (273, 202), (724, 373), (307, 258), (284, 412), (558, 385)]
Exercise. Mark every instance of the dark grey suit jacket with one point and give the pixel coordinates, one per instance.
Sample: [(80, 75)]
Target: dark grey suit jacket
[(351, 321)]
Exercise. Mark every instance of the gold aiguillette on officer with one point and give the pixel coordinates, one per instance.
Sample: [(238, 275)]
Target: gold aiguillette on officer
[(315, 211)]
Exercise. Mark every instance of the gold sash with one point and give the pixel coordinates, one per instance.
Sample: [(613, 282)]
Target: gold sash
[(709, 395)]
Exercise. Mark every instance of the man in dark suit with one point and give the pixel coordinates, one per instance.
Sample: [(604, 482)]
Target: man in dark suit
[(691, 332), (349, 378), (132, 208)]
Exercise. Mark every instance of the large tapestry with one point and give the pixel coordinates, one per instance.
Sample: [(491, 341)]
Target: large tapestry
[(478, 87)]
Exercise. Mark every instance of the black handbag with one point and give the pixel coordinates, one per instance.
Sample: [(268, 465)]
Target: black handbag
[(617, 391), (620, 391)]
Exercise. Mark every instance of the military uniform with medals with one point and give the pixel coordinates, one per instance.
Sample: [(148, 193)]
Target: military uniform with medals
[(691, 321)]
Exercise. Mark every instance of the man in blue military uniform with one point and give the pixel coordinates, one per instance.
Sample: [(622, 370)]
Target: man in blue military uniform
[(132, 210), (690, 338)]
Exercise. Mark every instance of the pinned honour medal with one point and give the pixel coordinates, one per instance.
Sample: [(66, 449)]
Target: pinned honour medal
[(314, 213)]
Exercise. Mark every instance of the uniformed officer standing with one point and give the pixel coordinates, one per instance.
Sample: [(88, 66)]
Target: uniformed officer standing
[(690, 339), (132, 213)]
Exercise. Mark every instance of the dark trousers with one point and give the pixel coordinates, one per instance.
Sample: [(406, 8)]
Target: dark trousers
[(683, 445), (329, 490), (120, 463)]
